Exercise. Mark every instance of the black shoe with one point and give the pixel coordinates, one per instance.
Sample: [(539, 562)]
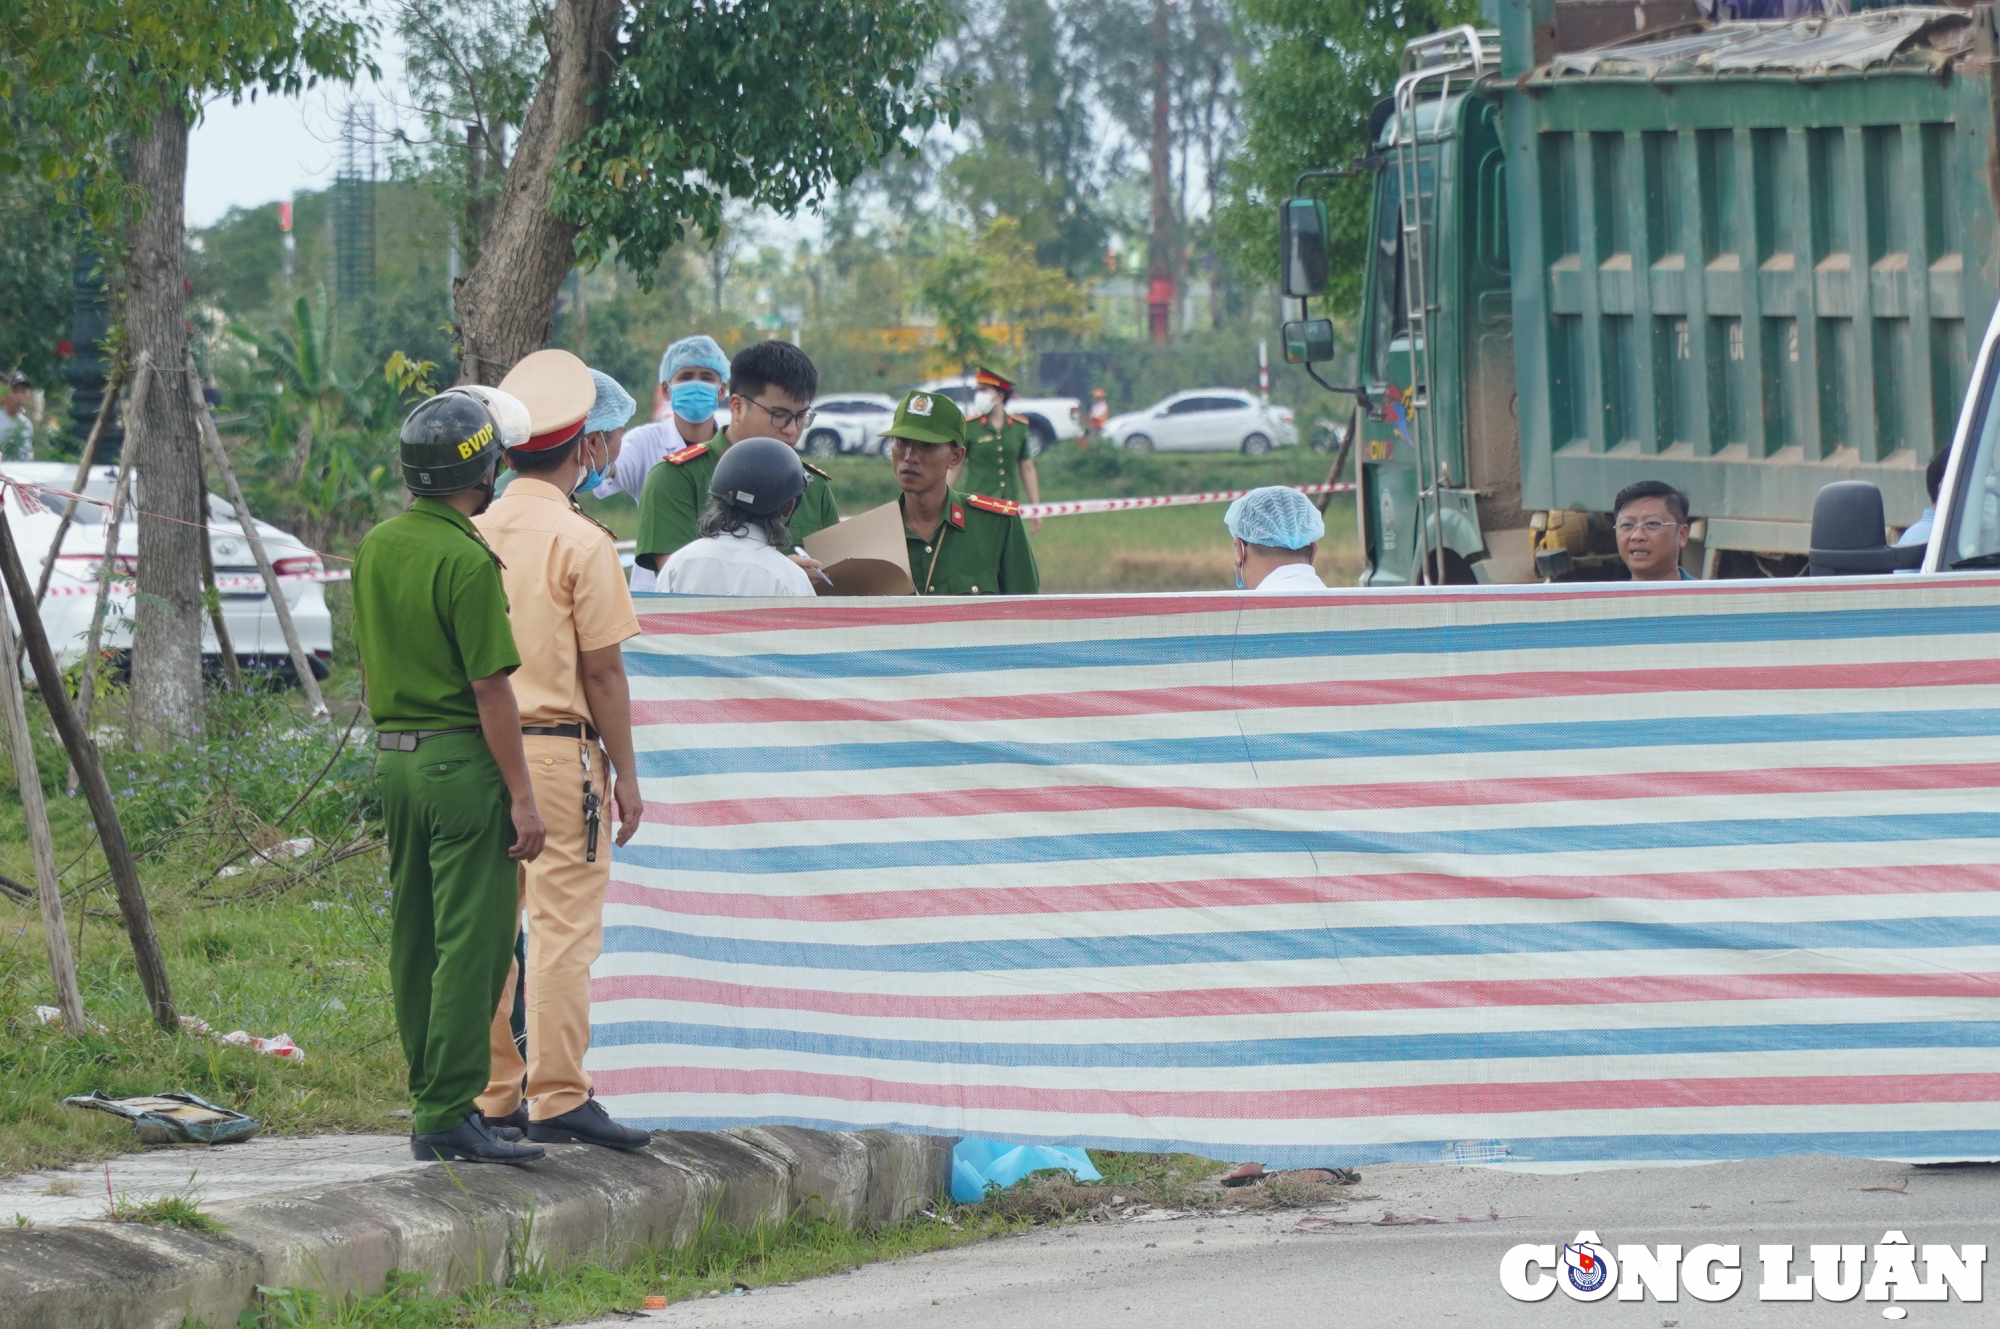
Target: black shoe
[(588, 1124), (510, 1127), (472, 1141)]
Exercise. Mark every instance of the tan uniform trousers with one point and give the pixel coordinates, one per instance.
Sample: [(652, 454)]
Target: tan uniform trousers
[(564, 899)]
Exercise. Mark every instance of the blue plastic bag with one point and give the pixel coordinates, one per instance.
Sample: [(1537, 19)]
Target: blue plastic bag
[(977, 1164)]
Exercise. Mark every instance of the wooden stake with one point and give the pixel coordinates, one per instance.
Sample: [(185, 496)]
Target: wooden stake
[(96, 790), (86, 688), (232, 674), (48, 882), (83, 465), (301, 662)]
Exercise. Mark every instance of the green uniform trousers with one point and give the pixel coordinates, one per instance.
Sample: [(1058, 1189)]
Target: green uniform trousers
[(453, 918)]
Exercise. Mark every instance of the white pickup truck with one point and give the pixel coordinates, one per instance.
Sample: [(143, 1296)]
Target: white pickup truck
[(1050, 419)]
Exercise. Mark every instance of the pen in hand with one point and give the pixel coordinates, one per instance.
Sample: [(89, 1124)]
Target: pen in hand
[(800, 550)]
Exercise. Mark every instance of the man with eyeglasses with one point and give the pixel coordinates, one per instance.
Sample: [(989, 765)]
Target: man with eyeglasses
[(771, 386), (1651, 521)]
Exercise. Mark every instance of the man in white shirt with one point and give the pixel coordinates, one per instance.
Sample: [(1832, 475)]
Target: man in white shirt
[(742, 540), (693, 373), (1275, 533)]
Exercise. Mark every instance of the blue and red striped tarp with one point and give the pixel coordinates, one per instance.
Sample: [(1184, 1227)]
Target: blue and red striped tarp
[(1543, 873)]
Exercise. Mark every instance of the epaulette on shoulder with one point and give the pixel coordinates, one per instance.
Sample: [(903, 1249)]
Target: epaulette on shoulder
[(1006, 507), (686, 454), (592, 520), (1013, 419), (816, 470)]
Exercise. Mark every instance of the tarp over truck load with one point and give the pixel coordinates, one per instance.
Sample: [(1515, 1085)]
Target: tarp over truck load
[(1539, 873)]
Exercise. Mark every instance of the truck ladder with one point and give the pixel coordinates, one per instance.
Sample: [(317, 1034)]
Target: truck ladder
[(1429, 63)]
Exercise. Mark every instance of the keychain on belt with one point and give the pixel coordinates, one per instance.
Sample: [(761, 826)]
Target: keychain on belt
[(592, 807)]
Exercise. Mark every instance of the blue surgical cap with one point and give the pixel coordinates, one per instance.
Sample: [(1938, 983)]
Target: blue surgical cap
[(693, 352), (1277, 516), (613, 407)]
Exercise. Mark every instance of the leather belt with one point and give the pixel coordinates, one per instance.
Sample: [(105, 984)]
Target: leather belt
[(582, 731), (406, 740)]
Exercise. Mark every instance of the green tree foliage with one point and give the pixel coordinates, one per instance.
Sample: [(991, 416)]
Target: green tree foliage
[(1027, 79), (1306, 100), (970, 282), (89, 75), (36, 259), (771, 104), (318, 450)]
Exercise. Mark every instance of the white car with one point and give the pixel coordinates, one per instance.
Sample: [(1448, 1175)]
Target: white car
[(1050, 419), (246, 608), (848, 422), (1205, 420)]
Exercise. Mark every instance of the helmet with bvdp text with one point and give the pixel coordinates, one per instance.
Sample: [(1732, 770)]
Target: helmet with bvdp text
[(450, 443), (763, 476)]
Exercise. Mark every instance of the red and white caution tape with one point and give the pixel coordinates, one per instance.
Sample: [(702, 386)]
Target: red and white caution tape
[(1081, 505), (125, 585)]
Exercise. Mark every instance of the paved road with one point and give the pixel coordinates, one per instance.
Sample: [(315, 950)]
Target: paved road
[(1258, 1270)]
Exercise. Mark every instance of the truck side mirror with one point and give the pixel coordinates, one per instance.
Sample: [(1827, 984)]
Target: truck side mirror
[(1849, 536), (1309, 342), (1302, 247)]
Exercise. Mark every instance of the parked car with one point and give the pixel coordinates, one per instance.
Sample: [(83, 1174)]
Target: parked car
[(1050, 419), (1205, 420), (246, 608), (845, 423)]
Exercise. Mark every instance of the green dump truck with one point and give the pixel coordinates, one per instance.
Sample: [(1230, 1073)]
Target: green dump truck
[(1738, 257)]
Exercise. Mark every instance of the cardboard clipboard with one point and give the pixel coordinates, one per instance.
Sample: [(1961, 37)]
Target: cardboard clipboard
[(865, 555)]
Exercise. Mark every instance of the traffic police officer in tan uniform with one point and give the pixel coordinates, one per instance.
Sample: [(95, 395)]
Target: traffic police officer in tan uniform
[(959, 544), (430, 619), (571, 610)]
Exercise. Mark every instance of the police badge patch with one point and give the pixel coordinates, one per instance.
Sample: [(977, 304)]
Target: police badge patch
[(920, 405)]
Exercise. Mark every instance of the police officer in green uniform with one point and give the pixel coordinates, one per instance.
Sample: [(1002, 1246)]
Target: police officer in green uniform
[(430, 618), (999, 452), (960, 544), (771, 387)]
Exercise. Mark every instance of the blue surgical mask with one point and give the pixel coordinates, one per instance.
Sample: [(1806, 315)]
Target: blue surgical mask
[(694, 402), (591, 479)]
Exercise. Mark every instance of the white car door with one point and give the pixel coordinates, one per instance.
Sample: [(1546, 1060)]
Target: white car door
[(1179, 428), (1239, 418)]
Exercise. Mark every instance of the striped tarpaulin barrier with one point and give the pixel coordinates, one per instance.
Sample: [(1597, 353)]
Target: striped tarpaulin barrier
[(1546, 873)]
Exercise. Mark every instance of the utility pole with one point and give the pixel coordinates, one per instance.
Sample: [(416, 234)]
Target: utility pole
[(1164, 264)]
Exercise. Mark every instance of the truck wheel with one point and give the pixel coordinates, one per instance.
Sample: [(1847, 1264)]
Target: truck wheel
[(1138, 443), (822, 443), (1256, 445), (1040, 437)]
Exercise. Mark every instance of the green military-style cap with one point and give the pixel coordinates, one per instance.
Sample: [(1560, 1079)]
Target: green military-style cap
[(928, 417)]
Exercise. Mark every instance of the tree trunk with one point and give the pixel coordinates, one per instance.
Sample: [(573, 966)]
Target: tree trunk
[(166, 649), (505, 304)]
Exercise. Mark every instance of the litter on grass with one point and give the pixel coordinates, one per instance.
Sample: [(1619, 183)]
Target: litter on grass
[(979, 1164), (280, 1046), (173, 1118)]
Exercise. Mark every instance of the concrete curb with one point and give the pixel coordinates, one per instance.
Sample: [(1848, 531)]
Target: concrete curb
[(459, 1225)]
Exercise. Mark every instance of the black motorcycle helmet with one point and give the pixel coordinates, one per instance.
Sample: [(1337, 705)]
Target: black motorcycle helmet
[(450, 444), (763, 476)]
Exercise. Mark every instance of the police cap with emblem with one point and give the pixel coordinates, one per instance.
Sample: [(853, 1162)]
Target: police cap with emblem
[(928, 417), (558, 391), (449, 444), (986, 378)]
